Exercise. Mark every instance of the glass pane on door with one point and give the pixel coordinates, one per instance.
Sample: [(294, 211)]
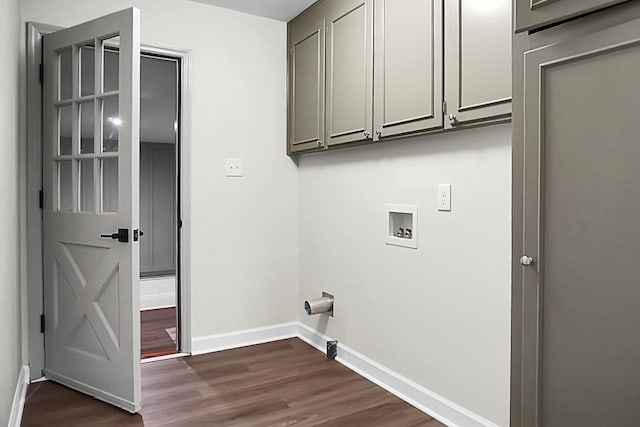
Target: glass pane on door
[(65, 79), (86, 190), (109, 184), (64, 130), (87, 69), (65, 186), (111, 64), (87, 127), (110, 124)]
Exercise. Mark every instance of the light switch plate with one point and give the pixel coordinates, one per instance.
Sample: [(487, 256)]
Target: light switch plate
[(444, 197), (233, 167)]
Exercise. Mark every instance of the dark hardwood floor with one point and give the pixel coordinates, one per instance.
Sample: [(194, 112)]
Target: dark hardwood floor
[(154, 339), (279, 384)]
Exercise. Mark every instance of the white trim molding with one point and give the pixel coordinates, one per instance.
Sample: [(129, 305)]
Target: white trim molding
[(440, 408), (434, 405), (157, 292), (157, 301), (227, 341), (15, 417)]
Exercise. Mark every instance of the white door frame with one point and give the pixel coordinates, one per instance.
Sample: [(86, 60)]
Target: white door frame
[(31, 241)]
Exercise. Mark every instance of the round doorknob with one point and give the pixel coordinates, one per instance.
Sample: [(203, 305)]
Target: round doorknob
[(526, 260)]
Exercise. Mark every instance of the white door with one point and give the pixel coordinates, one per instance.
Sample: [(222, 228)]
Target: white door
[(90, 161)]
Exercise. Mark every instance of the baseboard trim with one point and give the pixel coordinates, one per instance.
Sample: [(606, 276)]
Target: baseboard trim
[(157, 292), (444, 410), (15, 416), (434, 405), (92, 391), (227, 341), (157, 301)]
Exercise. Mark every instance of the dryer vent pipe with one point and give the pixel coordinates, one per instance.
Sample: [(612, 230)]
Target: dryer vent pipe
[(320, 305)]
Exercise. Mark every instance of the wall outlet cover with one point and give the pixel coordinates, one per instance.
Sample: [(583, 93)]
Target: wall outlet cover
[(444, 197), (233, 167)]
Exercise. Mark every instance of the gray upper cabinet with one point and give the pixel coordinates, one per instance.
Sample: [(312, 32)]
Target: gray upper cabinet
[(408, 67), (349, 50), (531, 14), (477, 61), (307, 81), (437, 65)]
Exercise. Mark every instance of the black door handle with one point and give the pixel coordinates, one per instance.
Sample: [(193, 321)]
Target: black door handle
[(121, 236)]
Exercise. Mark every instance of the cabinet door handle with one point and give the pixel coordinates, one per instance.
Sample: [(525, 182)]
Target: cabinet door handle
[(526, 261), (453, 119), (367, 135)]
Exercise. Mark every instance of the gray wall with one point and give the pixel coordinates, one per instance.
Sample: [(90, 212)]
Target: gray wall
[(10, 356), (438, 315)]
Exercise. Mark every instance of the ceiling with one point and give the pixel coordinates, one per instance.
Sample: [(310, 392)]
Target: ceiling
[(281, 10)]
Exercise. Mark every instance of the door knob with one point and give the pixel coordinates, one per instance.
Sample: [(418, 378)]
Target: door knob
[(526, 260), (453, 118), (122, 235)]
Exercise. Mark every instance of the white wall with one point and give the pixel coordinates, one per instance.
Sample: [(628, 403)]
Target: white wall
[(10, 331), (439, 315), (244, 262)]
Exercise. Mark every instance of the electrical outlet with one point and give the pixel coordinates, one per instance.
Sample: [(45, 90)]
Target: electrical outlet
[(444, 197), (233, 167)]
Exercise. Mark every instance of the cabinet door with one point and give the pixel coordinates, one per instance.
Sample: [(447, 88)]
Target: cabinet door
[(349, 71), (532, 14), (306, 83), (477, 61), (408, 67), (578, 299)]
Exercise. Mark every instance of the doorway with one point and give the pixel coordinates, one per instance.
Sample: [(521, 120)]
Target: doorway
[(159, 180)]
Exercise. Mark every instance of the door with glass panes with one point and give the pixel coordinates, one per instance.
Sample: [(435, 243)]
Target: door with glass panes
[(90, 181)]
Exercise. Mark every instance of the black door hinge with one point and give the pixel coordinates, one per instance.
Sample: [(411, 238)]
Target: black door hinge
[(41, 199), (42, 323), (179, 222), (41, 71)]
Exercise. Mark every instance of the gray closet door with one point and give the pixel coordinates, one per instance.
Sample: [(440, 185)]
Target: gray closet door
[(477, 61), (408, 67), (306, 81), (349, 71), (532, 14), (581, 295), (157, 208)]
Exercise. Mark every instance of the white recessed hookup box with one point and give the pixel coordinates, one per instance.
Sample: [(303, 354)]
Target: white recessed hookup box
[(402, 228)]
